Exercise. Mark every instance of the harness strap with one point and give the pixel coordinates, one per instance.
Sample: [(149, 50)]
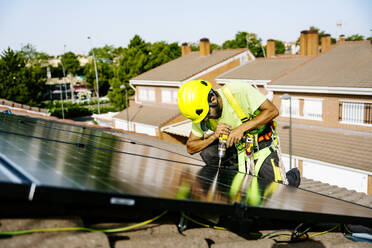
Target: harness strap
[(234, 104), (260, 156)]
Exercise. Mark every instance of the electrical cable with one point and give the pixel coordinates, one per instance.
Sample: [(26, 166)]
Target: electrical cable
[(202, 224), (59, 229), (211, 226), (321, 233)]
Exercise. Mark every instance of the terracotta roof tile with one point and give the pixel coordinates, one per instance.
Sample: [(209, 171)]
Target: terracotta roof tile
[(346, 65), (185, 67), (154, 115), (331, 145), (261, 69)]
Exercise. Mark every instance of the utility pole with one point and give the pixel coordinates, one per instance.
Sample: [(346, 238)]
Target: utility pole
[(63, 113), (64, 72), (126, 103), (95, 68), (289, 97)]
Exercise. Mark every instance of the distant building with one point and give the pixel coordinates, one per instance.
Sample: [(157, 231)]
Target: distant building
[(156, 90), (331, 101)]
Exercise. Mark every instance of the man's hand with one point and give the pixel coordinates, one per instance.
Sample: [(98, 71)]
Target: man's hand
[(222, 129), (235, 136)]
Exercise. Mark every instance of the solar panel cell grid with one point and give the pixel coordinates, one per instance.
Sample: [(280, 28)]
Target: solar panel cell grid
[(46, 153)]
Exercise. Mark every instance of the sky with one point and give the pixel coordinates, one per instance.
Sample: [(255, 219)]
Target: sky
[(55, 27)]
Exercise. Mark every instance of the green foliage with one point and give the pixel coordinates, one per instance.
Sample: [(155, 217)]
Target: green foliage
[(139, 57), (57, 72), (105, 109), (70, 111), (105, 73), (215, 46), (71, 63), (117, 95), (355, 37), (279, 47), (243, 40), (18, 82), (161, 52), (32, 56), (106, 53), (369, 38)]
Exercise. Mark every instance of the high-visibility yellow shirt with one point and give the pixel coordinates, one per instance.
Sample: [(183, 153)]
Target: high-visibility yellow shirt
[(249, 99)]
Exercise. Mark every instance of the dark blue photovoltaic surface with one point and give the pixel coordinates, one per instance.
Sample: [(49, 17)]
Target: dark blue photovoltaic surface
[(51, 154)]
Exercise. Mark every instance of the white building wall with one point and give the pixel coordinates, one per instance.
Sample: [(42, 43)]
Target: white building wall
[(340, 176), (145, 129)]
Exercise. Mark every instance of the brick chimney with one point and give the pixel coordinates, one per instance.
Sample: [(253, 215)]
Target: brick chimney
[(303, 43), (312, 43), (185, 49), (326, 42), (204, 47), (270, 48), (341, 39)]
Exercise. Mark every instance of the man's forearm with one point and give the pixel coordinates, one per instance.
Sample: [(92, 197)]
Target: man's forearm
[(196, 145)]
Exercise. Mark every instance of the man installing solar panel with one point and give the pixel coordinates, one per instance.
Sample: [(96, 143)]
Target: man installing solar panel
[(233, 127)]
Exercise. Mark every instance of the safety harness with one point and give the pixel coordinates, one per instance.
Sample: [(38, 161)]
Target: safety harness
[(248, 148)]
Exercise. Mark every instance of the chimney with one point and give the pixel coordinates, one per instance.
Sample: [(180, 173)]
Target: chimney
[(185, 49), (326, 42), (303, 43), (341, 39), (204, 47), (312, 43), (270, 48)]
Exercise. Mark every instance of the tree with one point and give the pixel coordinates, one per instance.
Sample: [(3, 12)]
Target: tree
[(33, 57), (355, 37), (105, 73), (240, 41), (161, 52), (139, 57), (18, 82), (369, 38), (279, 47), (106, 53), (71, 63)]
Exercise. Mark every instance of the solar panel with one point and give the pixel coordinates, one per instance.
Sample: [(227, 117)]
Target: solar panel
[(50, 162)]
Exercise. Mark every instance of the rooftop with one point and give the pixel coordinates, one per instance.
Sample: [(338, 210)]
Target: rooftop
[(347, 65), (187, 66), (331, 145), (261, 69), (163, 232), (154, 115)]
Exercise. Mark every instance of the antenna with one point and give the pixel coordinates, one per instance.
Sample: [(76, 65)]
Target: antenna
[(339, 25)]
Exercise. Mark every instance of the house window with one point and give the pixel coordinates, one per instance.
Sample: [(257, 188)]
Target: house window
[(355, 112), (285, 107), (169, 96), (313, 109), (146, 94)]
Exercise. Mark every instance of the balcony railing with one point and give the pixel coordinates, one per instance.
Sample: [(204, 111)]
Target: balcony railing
[(355, 112)]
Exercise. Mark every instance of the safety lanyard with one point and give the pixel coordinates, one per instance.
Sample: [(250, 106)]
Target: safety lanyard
[(234, 104)]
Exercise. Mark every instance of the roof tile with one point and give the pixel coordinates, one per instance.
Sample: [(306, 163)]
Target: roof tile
[(187, 66)]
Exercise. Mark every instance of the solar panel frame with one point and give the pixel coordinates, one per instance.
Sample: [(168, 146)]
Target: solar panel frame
[(211, 191)]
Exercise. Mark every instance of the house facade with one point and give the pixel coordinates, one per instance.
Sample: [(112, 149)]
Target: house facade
[(156, 90), (331, 108)]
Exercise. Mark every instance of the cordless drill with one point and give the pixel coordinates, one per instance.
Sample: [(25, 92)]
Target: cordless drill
[(221, 147)]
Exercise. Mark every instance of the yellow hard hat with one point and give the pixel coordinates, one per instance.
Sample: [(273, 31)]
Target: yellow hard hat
[(192, 99)]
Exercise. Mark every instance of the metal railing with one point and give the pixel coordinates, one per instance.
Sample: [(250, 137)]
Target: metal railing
[(355, 112)]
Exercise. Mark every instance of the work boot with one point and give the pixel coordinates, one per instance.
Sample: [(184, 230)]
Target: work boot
[(293, 177)]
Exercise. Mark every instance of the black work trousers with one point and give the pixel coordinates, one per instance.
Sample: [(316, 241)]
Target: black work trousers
[(210, 157)]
